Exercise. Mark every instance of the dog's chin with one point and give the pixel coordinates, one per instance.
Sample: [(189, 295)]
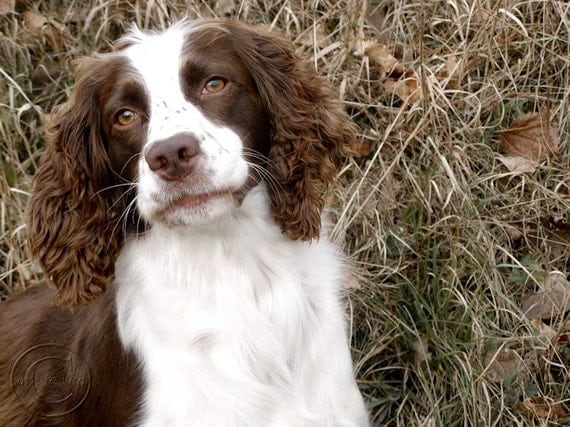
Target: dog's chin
[(195, 210)]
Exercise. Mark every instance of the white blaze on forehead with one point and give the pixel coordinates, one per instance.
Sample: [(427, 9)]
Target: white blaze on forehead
[(157, 58)]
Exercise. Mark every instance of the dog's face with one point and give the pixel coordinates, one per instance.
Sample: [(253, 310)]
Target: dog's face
[(185, 122)]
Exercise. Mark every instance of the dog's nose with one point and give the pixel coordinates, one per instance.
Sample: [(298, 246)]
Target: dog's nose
[(174, 158)]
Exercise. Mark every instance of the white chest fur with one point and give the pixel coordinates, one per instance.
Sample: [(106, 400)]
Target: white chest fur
[(229, 323)]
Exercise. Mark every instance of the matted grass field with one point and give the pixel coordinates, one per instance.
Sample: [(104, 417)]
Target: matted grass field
[(455, 215)]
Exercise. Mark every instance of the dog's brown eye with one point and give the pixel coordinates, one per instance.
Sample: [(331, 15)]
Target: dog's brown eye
[(214, 86), (125, 117)]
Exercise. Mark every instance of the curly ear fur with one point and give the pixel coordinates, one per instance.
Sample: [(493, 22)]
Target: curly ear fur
[(310, 132), (72, 229)]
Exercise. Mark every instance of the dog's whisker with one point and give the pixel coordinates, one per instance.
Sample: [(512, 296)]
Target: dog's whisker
[(111, 187)]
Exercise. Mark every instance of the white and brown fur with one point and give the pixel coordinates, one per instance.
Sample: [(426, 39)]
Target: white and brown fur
[(180, 226)]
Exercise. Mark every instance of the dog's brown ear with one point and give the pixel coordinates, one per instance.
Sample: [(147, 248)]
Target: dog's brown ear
[(310, 133), (72, 218)]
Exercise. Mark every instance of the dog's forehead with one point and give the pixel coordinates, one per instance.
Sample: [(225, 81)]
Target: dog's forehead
[(157, 56), (154, 52)]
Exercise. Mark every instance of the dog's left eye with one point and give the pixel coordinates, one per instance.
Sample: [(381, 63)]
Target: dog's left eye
[(214, 85), (125, 117)]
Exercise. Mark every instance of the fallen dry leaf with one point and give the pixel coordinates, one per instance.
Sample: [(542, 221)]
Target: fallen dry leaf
[(541, 407), (351, 281), (38, 26), (380, 55), (532, 137), (314, 36), (421, 350), (518, 164), (404, 84), (513, 232), (407, 88), (544, 329), (560, 336), (551, 301), (501, 364), (361, 149), (34, 22)]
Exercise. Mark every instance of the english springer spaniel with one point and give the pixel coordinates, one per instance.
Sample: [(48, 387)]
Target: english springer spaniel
[(177, 214)]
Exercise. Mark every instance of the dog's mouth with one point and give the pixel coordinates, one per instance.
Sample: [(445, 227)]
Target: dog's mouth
[(192, 209), (195, 201)]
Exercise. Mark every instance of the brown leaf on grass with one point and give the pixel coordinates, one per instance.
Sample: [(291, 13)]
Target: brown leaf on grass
[(559, 336), (380, 55), (541, 407), (407, 87), (351, 281), (38, 26), (7, 6), (518, 164), (421, 350), (532, 137), (544, 329), (551, 301), (514, 233), (501, 364), (404, 84), (34, 22), (314, 36), (361, 149)]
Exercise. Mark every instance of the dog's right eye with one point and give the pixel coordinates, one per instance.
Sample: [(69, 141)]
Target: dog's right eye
[(214, 85), (125, 117)]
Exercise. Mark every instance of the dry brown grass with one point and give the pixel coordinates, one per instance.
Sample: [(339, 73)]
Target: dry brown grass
[(447, 243)]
